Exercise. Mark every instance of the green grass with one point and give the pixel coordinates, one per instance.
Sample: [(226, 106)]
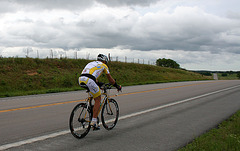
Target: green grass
[(24, 76), (226, 137), (232, 76)]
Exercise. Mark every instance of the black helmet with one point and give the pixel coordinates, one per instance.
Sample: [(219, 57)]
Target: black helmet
[(102, 57)]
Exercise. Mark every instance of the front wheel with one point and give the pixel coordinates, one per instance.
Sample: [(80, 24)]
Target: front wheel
[(79, 121), (110, 113)]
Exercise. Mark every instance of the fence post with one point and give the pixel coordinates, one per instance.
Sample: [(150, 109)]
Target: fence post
[(109, 57), (75, 54), (37, 54)]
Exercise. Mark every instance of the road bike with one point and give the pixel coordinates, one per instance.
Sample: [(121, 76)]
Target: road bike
[(81, 114)]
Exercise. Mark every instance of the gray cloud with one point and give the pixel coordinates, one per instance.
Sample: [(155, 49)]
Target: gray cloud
[(116, 3), (185, 28), (182, 29), (196, 35), (35, 5)]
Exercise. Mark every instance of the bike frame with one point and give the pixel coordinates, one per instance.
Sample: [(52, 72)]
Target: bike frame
[(103, 100)]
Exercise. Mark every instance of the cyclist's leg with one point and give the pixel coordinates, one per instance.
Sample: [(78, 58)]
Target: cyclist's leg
[(96, 106), (96, 94)]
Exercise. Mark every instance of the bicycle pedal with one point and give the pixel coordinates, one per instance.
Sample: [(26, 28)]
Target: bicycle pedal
[(96, 128)]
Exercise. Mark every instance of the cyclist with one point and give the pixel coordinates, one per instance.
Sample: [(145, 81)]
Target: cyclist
[(88, 79)]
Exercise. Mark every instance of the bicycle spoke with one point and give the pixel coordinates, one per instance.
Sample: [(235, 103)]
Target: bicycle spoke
[(80, 121), (110, 113), (108, 109)]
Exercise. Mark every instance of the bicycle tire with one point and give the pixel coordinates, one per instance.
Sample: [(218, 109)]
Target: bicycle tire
[(79, 121), (110, 114)]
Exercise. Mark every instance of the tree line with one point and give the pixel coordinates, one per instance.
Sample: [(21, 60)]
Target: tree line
[(173, 64), (167, 63)]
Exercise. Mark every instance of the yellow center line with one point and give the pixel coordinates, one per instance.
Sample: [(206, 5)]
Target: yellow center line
[(67, 102), (165, 88), (38, 106)]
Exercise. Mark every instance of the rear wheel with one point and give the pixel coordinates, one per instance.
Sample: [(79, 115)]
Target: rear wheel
[(79, 121), (109, 115)]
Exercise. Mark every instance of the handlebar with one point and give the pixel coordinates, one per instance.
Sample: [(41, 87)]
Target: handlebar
[(106, 86)]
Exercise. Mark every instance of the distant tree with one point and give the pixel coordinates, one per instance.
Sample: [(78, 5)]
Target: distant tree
[(230, 72), (224, 74), (238, 75), (206, 73), (167, 63)]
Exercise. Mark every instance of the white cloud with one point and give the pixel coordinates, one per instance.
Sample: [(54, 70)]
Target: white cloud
[(148, 27)]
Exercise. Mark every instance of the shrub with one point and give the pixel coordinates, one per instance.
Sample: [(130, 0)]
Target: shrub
[(238, 75), (224, 74)]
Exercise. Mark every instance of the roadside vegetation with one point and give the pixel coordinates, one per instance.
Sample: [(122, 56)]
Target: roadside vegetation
[(229, 76), (226, 137), (24, 76), (222, 75)]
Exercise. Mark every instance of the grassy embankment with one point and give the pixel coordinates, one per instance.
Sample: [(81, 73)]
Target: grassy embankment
[(24, 76)]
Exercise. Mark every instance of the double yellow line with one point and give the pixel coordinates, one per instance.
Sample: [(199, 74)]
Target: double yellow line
[(67, 102)]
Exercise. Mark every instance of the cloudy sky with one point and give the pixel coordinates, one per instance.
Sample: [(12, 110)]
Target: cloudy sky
[(198, 34)]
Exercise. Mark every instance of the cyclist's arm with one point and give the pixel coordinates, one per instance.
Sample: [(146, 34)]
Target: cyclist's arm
[(110, 79), (113, 82)]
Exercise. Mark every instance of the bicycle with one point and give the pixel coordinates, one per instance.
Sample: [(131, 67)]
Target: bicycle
[(81, 114)]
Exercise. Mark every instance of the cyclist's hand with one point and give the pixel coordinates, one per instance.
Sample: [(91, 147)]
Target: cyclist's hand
[(119, 87)]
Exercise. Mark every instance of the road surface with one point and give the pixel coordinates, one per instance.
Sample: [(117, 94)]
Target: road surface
[(152, 117)]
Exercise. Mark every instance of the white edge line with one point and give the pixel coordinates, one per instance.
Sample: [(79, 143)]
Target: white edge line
[(32, 140), (175, 103), (40, 138)]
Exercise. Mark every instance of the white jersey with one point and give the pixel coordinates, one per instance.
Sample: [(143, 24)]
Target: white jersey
[(96, 68)]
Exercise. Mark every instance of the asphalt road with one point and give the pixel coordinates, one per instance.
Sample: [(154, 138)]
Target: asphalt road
[(152, 117)]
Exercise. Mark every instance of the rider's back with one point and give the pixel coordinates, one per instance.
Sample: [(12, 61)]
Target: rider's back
[(95, 68)]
